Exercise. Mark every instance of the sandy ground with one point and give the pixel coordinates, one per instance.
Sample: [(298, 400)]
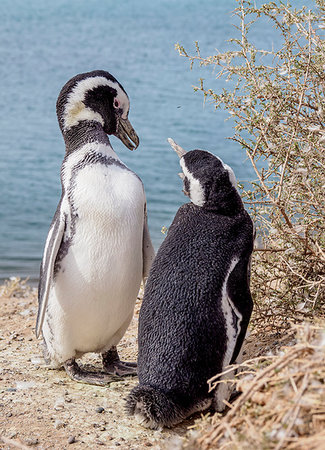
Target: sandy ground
[(44, 409)]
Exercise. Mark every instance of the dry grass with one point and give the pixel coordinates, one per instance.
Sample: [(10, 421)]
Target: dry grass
[(275, 100), (282, 401)]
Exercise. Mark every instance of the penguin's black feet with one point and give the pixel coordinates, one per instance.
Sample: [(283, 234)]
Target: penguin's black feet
[(84, 376), (113, 365)]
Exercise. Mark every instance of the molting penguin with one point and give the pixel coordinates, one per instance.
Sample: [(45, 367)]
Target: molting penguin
[(197, 301), (98, 247)]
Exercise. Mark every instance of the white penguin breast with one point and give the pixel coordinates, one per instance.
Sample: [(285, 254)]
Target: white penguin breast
[(101, 273), (109, 202)]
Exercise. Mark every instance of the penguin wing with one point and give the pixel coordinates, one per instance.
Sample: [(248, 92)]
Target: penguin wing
[(240, 300), (52, 246), (148, 252)]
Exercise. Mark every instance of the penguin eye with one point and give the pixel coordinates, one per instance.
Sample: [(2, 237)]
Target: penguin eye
[(116, 103)]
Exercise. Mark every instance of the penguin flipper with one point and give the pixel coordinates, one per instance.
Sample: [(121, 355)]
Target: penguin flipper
[(241, 300), (52, 246), (148, 252)]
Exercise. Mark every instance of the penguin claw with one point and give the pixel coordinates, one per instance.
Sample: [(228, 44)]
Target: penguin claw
[(87, 377)]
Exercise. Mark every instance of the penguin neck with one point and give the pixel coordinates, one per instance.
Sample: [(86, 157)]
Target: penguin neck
[(86, 132), (227, 203)]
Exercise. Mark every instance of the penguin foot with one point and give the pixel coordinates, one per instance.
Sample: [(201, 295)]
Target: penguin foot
[(84, 376), (114, 366)]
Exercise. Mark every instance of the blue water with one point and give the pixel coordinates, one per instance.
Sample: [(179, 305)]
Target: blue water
[(44, 43)]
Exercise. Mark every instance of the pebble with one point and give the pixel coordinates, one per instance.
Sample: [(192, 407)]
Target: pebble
[(59, 403), (25, 384), (72, 440), (58, 424), (31, 442), (36, 360), (100, 409)]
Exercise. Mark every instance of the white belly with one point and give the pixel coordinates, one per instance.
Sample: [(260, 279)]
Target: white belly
[(93, 296)]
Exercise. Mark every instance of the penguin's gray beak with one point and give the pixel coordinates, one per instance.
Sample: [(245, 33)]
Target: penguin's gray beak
[(126, 134), (178, 149)]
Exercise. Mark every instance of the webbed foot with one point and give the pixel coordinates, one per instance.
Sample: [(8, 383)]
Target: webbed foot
[(83, 376), (113, 365)]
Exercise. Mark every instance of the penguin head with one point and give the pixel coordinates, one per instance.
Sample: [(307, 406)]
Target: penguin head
[(208, 181), (99, 98)]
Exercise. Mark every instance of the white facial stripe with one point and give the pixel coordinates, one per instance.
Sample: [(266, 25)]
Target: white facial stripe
[(231, 173), (75, 109), (196, 190), (232, 176)]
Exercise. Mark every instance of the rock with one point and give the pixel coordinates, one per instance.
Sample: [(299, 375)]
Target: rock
[(72, 440), (25, 384), (59, 403), (36, 360), (58, 424), (31, 442), (100, 409)]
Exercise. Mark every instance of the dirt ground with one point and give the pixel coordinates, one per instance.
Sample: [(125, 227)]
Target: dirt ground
[(44, 409)]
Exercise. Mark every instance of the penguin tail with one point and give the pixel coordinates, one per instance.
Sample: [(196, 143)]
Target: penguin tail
[(153, 408)]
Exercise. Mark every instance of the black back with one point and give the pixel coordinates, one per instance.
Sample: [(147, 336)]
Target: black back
[(182, 330)]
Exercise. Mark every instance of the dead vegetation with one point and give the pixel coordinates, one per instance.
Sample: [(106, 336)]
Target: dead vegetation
[(282, 401), (275, 99), (281, 406)]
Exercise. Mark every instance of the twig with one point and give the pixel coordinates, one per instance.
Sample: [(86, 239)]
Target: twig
[(295, 412)]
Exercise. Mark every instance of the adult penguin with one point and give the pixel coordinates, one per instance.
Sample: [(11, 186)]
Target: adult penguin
[(98, 247), (197, 301)]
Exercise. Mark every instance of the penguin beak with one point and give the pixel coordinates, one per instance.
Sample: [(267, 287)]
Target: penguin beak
[(125, 132), (178, 149)]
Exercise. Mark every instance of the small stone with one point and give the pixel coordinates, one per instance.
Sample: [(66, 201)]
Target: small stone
[(59, 403), (9, 414), (11, 390), (25, 384), (58, 424), (72, 440), (100, 409), (36, 360), (31, 442)]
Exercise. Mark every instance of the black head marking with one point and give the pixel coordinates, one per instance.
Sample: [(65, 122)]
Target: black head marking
[(92, 105), (209, 181)]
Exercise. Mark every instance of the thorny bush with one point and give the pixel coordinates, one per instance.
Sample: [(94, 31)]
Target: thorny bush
[(277, 104)]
